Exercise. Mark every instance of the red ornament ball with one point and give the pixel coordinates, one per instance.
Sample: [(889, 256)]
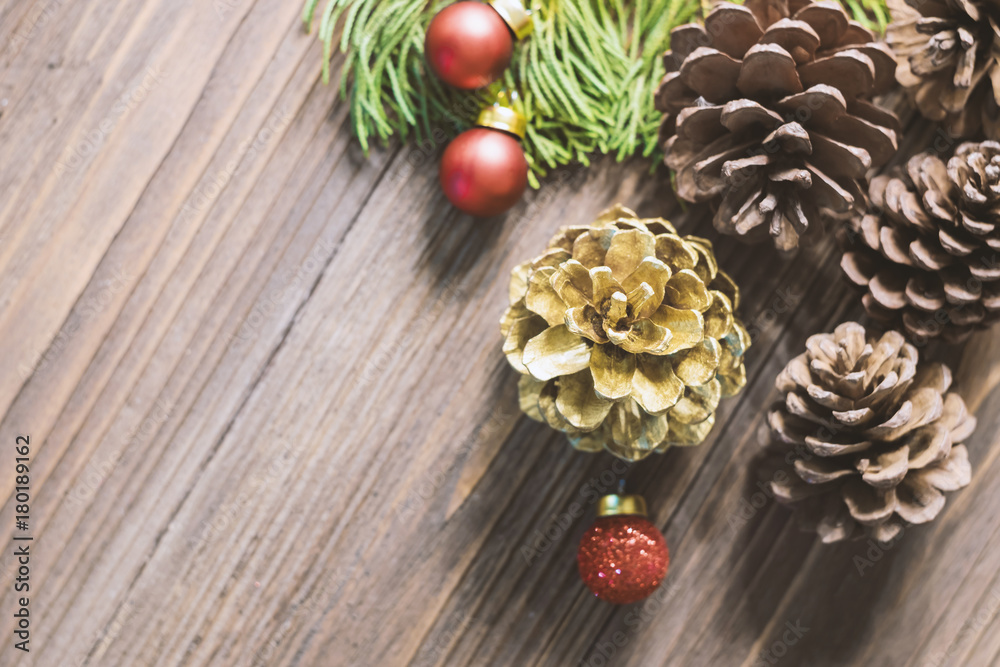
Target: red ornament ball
[(469, 45), (484, 172), (623, 558)]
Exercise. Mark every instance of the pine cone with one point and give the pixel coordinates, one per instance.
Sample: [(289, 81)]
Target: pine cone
[(929, 261), (625, 335), (767, 111), (871, 436), (949, 61)]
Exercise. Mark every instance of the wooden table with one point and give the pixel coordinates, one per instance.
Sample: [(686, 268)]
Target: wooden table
[(269, 418)]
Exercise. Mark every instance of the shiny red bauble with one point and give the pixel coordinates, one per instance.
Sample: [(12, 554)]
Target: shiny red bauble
[(484, 171), (623, 558), (469, 45)]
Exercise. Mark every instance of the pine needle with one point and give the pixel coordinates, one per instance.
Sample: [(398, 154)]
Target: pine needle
[(587, 75)]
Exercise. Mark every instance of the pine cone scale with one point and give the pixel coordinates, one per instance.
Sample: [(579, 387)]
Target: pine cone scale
[(713, 73), (554, 352), (799, 38), (930, 444), (851, 72), (767, 72), (734, 29), (868, 506), (877, 120), (739, 116), (655, 386), (578, 402)]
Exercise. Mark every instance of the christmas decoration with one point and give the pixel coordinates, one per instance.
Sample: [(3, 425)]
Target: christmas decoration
[(927, 253), (871, 436), (949, 61), (483, 171), (623, 556), (625, 336), (470, 44), (586, 73), (768, 114)]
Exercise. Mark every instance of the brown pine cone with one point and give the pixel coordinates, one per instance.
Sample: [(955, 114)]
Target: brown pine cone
[(768, 113), (927, 254), (870, 435), (949, 61)]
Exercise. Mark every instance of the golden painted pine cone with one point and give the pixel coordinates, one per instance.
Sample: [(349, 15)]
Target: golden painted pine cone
[(870, 435), (768, 114), (928, 255), (949, 61), (625, 335)]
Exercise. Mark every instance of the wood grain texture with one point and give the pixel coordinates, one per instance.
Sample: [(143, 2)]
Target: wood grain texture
[(272, 425)]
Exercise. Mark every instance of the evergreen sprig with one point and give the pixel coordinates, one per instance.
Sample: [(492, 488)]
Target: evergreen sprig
[(586, 75)]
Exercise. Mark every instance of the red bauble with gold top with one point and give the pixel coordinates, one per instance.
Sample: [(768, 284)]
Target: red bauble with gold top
[(484, 171), (469, 45), (622, 557)]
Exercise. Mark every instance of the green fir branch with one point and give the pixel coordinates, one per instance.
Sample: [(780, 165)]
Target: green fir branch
[(586, 75)]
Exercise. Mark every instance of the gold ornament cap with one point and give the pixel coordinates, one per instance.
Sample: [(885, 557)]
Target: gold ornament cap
[(516, 15), (615, 505), (505, 115)]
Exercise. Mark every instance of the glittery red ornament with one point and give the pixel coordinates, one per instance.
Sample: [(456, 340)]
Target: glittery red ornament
[(469, 45), (623, 557), (484, 171)]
